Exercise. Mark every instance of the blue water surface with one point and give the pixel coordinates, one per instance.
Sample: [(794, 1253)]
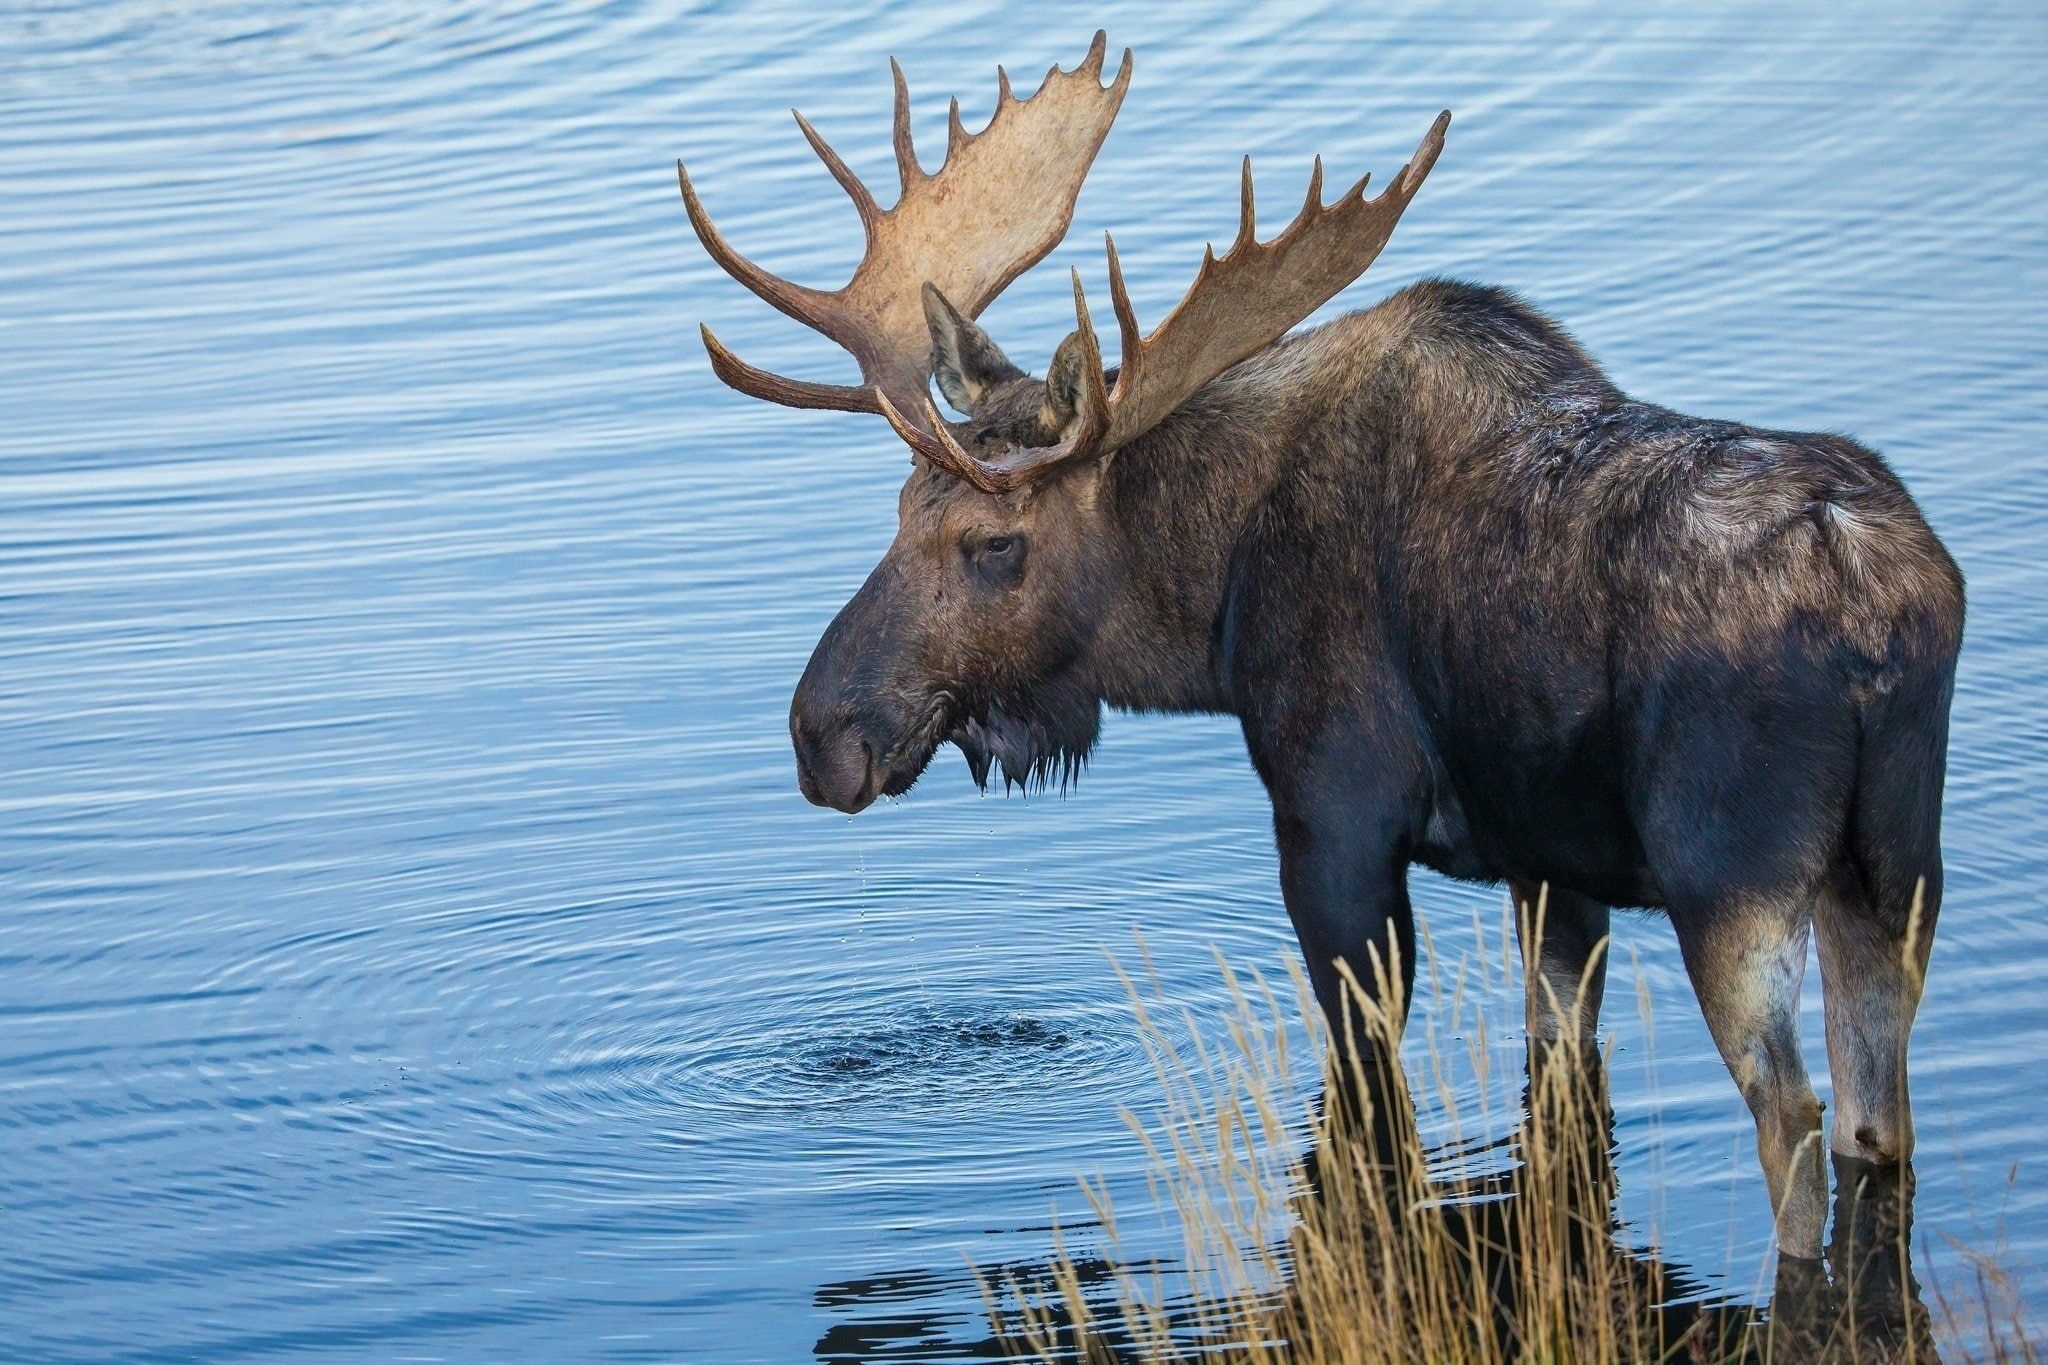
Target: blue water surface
[(412, 942)]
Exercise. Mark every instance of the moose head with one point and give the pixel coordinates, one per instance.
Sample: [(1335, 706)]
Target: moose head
[(993, 616)]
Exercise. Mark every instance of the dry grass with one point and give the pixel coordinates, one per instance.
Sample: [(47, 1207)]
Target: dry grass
[(1318, 1232)]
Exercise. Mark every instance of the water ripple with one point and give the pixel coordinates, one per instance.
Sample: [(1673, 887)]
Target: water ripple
[(415, 944)]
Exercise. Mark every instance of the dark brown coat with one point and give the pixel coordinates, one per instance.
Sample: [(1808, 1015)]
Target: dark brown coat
[(1477, 609)]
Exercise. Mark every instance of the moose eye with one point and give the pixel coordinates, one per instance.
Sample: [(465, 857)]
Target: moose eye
[(998, 559)]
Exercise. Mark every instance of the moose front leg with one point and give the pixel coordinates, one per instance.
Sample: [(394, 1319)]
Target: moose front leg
[(1346, 887), (1345, 882)]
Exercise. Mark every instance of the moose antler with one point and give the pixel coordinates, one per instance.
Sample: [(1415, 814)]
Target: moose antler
[(1001, 201), (1240, 303)]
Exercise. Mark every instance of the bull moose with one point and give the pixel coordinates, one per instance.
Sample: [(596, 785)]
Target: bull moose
[(1473, 606)]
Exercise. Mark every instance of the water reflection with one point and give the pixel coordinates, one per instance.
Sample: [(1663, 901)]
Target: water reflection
[(1861, 1302), (1864, 1290)]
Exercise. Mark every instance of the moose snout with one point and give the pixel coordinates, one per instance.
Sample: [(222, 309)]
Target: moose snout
[(842, 731), (835, 766)]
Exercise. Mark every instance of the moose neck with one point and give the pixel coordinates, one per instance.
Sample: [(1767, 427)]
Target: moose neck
[(1178, 500)]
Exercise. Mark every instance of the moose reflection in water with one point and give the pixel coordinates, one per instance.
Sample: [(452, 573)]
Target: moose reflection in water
[(1860, 1303), (1474, 607)]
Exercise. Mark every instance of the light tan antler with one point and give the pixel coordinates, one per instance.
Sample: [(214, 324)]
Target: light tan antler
[(1240, 303), (1001, 201)]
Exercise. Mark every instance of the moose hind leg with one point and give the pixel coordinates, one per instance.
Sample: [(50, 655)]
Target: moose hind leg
[(1746, 962), (1564, 962), (1871, 974)]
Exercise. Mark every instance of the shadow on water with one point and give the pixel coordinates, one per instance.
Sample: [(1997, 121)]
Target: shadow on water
[(1861, 1302)]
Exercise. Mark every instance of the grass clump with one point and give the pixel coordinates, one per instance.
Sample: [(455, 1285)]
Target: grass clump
[(1317, 1227)]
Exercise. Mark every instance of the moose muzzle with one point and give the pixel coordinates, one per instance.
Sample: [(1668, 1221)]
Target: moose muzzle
[(839, 720), (835, 766)]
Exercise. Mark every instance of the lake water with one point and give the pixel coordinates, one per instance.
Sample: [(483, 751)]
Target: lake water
[(415, 946)]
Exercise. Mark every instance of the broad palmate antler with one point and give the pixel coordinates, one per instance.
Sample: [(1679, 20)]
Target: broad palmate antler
[(1002, 200)]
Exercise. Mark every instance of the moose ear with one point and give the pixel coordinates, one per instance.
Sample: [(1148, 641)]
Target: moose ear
[(965, 360), (1063, 383)]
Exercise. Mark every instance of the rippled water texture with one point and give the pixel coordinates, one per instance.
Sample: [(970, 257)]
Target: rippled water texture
[(414, 943)]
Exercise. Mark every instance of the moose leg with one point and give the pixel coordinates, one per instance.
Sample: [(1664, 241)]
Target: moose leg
[(1346, 886), (1351, 914), (1564, 962), (1746, 962), (1871, 973), (1349, 905)]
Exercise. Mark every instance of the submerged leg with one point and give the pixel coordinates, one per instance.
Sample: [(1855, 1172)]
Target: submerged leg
[(1746, 961), (1564, 962)]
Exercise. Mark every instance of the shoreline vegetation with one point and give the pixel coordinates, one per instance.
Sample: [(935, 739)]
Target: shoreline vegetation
[(1318, 1227)]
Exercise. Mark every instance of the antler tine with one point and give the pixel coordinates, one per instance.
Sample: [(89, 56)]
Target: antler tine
[(932, 440), (1098, 48), (863, 201), (807, 306), (789, 393), (907, 168), (1126, 316), (1247, 215), (956, 132), (1410, 177), (935, 444)]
